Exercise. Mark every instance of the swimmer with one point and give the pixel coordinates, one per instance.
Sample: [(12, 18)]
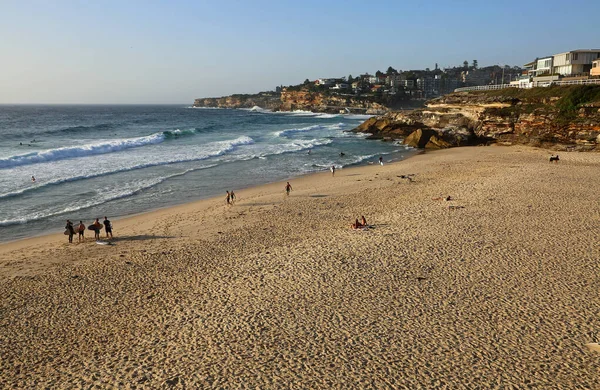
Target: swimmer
[(33, 179)]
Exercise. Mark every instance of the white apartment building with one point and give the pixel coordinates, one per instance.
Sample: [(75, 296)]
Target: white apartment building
[(575, 62), (326, 82), (544, 66)]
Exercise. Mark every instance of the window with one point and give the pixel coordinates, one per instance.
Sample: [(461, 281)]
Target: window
[(575, 55), (567, 56)]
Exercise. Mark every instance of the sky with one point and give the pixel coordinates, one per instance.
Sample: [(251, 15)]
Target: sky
[(161, 52)]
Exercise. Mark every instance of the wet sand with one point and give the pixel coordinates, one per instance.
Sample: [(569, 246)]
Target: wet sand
[(495, 288)]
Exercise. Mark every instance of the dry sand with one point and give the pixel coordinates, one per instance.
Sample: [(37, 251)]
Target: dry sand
[(498, 288)]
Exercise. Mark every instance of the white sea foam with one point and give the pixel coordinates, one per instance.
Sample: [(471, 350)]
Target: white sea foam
[(90, 149), (287, 132), (357, 116), (104, 197), (213, 149)]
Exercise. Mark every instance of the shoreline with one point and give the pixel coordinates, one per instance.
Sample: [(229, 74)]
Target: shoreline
[(129, 221), (489, 289), (209, 197)]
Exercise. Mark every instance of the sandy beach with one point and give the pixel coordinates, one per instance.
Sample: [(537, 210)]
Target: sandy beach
[(496, 288)]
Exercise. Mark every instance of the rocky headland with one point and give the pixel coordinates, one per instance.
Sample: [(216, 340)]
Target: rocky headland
[(269, 101), (315, 101), (559, 118)]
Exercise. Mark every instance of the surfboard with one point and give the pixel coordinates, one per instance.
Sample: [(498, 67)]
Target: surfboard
[(95, 227)]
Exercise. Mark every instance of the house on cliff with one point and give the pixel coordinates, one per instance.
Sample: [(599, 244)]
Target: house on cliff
[(575, 62), (595, 71)]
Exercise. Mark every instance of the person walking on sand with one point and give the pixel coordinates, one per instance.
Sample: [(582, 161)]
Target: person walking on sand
[(288, 188), (228, 198), (232, 194), (107, 227), (70, 230), (380, 160), (333, 170), (81, 230)]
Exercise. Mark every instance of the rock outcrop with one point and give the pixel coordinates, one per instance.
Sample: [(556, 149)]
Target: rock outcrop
[(266, 101), (305, 100), (320, 102), (557, 117)]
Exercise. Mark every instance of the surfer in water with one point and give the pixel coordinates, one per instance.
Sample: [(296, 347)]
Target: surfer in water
[(107, 227), (81, 230), (33, 179)]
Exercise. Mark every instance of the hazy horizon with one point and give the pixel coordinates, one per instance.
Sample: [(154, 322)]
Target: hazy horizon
[(144, 53)]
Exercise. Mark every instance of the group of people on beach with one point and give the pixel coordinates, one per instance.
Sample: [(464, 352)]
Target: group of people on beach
[(230, 199), (70, 229)]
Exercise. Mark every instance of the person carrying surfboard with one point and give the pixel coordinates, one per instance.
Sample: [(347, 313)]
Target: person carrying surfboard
[(97, 226), (70, 230), (108, 227)]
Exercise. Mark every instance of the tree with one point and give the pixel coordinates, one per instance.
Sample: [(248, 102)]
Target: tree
[(350, 79), (475, 64), (466, 64), (379, 73), (436, 66), (391, 70), (307, 81)]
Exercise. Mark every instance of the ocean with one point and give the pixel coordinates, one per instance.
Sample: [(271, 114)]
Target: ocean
[(96, 161)]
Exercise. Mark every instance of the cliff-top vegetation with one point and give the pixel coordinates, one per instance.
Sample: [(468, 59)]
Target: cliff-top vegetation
[(567, 99)]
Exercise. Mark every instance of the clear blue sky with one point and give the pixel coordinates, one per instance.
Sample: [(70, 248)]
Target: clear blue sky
[(174, 51)]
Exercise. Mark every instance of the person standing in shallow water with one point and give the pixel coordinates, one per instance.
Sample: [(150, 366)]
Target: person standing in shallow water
[(70, 230), (288, 188), (333, 170)]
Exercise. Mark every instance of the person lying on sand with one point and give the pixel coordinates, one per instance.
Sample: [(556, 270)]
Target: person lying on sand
[(363, 221)]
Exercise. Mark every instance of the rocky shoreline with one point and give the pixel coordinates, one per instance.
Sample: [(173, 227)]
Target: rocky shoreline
[(559, 118)]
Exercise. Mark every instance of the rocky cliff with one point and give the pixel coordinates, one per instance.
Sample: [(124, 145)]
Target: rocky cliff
[(320, 102), (559, 118), (302, 100), (266, 101)]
